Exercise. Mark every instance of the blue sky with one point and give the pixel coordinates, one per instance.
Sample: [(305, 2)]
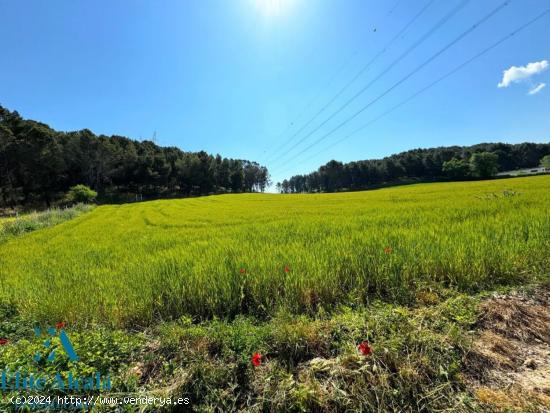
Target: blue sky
[(231, 77)]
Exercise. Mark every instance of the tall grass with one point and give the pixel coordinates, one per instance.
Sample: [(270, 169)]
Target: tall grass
[(231, 254), (33, 221)]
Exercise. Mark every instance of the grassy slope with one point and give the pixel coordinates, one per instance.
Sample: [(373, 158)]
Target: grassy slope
[(135, 264), (14, 226), (175, 259)]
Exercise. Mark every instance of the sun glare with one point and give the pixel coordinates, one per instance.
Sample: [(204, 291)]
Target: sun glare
[(272, 7)]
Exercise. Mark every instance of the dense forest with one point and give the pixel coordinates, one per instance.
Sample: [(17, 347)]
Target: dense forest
[(38, 165), (419, 165)]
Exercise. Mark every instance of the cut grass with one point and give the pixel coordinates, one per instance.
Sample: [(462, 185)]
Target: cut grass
[(137, 264)]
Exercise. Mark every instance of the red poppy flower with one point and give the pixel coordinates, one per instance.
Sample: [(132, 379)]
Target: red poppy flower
[(4, 341), (287, 268), (365, 348), (242, 271), (256, 359), (388, 250), (60, 325)]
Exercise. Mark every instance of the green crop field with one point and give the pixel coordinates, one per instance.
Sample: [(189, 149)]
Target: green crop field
[(255, 254)]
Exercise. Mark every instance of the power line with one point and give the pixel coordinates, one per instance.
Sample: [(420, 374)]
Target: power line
[(431, 31), (435, 82), (310, 104), (361, 71), (406, 77), (394, 7), (350, 82)]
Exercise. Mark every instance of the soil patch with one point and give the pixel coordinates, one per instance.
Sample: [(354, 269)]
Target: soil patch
[(509, 365)]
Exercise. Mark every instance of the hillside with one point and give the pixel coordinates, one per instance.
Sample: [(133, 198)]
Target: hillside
[(299, 252), (288, 302), (448, 163), (38, 165)]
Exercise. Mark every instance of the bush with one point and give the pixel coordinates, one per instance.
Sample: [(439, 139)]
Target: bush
[(484, 164), (456, 168), (81, 193)]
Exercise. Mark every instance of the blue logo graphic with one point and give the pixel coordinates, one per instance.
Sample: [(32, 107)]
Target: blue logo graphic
[(65, 342), (20, 380)]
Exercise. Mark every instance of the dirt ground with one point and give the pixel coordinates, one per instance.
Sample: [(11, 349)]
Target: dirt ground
[(509, 365)]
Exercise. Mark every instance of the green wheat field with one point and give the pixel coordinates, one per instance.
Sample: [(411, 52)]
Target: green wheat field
[(257, 254)]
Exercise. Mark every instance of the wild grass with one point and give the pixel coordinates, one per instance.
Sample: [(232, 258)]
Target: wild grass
[(308, 364), (313, 364), (14, 226), (138, 264)]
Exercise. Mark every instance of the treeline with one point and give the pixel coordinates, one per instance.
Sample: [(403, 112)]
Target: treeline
[(38, 165), (419, 165)]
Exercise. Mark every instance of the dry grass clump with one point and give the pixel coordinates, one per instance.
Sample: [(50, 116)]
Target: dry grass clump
[(509, 364)]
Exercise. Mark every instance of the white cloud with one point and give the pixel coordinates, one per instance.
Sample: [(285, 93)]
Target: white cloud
[(519, 74), (537, 89)]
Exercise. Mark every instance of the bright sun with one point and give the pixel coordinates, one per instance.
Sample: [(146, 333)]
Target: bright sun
[(272, 7)]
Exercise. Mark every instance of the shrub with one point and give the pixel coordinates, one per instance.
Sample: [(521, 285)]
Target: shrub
[(81, 193), (484, 164), (456, 168)]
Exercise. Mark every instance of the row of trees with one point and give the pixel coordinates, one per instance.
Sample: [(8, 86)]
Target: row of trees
[(443, 163), (39, 165)]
